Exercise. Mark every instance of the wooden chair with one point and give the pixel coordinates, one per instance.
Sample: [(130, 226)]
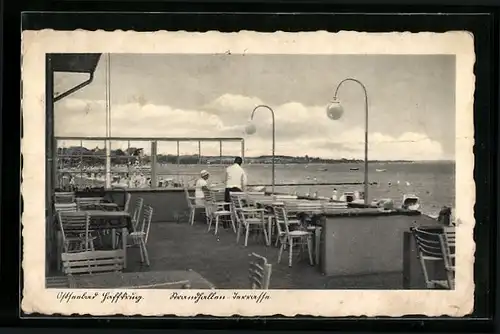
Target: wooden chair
[(247, 218), (75, 231), (140, 236), (259, 272), (64, 197), (215, 210), (93, 262), (192, 205), (289, 239), (430, 248)]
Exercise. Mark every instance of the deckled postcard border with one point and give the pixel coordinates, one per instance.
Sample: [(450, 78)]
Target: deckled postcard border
[(36, 298)]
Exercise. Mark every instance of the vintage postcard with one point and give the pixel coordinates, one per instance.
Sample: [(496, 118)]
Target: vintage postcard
[(251, 174)]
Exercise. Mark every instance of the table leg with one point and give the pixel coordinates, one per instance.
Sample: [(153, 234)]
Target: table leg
[(124, 246)]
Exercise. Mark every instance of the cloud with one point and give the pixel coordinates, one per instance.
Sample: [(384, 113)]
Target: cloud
[(300, 129)]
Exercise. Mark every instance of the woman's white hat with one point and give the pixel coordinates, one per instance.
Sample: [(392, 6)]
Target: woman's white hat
[(204, 173)]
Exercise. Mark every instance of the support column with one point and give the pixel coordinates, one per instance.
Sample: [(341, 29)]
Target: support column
[(199, 152), (220, 151), (243, 150), (178, 154), (108, 163), (154, 161), (49, 163)]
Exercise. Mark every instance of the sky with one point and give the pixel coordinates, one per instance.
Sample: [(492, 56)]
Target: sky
[(411, 103)]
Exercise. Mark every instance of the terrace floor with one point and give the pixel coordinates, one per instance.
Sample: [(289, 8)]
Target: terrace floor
[(180, 246)]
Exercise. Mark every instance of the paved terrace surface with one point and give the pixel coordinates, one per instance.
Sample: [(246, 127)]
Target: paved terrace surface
[(180, 246)]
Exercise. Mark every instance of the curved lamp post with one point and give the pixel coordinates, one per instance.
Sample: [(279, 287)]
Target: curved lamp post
[(251, 129), (335, 110)]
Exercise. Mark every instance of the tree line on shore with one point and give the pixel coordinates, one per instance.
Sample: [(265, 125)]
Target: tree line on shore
[(74, 156)]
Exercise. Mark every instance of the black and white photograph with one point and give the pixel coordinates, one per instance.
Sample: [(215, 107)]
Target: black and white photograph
[(238, 173)]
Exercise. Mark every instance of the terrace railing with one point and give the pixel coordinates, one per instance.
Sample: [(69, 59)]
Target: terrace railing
[(81, 162)]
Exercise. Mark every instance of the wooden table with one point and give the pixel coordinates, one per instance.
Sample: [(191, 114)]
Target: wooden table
[(169, 279), (296, 207)]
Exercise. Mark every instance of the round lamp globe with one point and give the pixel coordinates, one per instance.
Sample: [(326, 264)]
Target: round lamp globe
[(334, 110), (250, 129)]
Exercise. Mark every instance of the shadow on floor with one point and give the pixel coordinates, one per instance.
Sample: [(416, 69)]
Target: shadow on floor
[(180, 246)]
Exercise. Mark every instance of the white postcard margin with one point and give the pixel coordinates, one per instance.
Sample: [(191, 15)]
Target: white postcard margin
[(37, 299)]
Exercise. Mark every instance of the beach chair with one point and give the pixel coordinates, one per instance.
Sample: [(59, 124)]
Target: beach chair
[(247, 218), (140, 235), (289, 239), (431, 248), (259, 272)]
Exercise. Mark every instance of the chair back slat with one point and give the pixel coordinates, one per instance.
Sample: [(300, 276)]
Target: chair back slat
[(259, 272), (93, 262), (219, 196), (127, 202), (136, 215), (428, 244), (146, 221), (64, 197), (256, 193), (65, 207)]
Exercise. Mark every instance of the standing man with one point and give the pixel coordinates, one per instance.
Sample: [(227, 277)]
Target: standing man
[(236, 179)]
